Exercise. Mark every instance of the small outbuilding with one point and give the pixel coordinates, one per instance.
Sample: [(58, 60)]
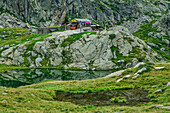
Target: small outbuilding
[(96, 27), (77, 23)]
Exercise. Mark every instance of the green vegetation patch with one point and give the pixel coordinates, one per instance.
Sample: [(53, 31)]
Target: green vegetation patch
[(40, 38), (66, 58), (71, 39), (120, 56), (14, 36), (118, 99), (112, 36), (143, 32)]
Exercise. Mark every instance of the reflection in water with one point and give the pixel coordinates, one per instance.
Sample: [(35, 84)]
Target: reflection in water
[(16, 78), (133, 97)]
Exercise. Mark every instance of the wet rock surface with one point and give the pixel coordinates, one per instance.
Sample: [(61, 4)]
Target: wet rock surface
[(133, 97)]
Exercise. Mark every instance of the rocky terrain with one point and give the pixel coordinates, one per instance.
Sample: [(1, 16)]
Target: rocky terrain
[(36, 70), (91, 50), (9, 21), (145, 38), (56, 12)]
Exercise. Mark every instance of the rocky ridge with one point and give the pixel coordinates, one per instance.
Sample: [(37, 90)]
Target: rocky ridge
[(9, 21), (104, 50)]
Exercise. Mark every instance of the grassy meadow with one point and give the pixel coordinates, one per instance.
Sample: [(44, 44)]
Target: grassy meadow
[(38, 98)]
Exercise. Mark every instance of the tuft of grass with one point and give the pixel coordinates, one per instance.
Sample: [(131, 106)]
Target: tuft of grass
[(118, 99), (71, 39), (112, 36)]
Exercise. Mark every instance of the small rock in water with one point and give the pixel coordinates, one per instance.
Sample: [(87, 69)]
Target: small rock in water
[(168, 83), (29, 102), (159, 68)]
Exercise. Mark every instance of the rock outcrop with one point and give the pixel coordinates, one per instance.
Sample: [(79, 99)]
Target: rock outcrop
[(9, 21), (163, 25), (89, 51)]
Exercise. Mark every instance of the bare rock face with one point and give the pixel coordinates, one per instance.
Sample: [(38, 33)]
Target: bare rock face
[(7, 21), (89, 51), (55, 12), (162, 25)]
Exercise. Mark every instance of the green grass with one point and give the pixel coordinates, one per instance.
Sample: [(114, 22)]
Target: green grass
[(59, 31), (120, 56), (39, 97), (118, 99), (142, 33), (19, 40), (12, 38), (31, 38), (40, 38), (71, 39), (112, 36)]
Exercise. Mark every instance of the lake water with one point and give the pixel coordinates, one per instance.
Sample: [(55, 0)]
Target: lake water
[(16, 78)]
